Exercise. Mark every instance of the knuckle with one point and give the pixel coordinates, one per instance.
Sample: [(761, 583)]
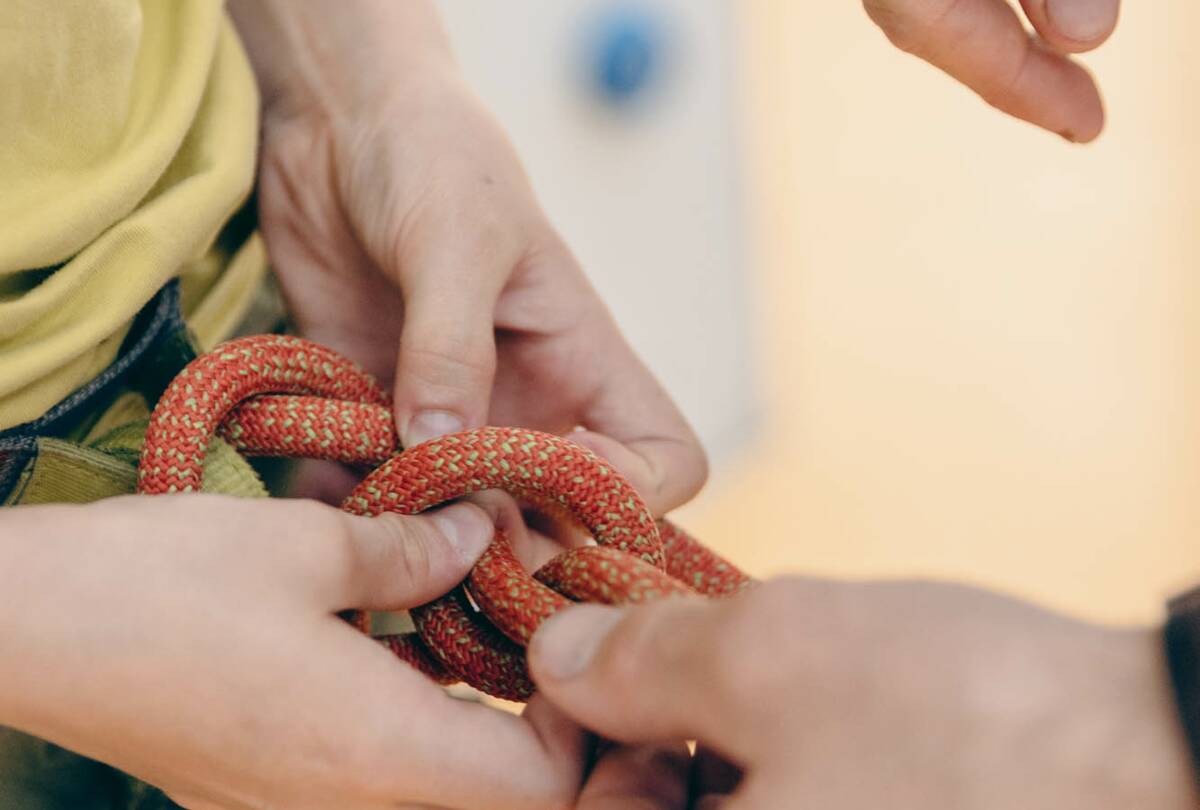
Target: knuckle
[(911, 30), (277, 526), (446, 360), (408, 548), (900, 29), (398, 546), (319, 538), (318, 521), (487, 234), (490, 225)]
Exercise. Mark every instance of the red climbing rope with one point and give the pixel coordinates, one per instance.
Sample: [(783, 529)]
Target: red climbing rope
[(285, 396)]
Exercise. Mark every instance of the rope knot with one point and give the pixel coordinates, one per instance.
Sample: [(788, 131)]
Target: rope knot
[(285, 396)]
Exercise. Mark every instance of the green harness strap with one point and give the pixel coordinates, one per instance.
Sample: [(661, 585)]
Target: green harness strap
[(104, 467)]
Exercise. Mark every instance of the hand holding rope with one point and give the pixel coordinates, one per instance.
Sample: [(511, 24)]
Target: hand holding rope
[(285, 396)]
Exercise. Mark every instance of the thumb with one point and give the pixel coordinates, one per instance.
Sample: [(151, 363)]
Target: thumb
[(1073, 26), (645, 674), (395, 561)]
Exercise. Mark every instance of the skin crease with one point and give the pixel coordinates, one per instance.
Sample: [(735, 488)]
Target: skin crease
[(900, 695)]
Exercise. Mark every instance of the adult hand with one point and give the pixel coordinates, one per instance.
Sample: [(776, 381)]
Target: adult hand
[(899, 695), (406, 235), (984, 44), (192, 641)]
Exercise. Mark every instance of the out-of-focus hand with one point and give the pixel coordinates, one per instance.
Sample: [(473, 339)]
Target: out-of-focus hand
[(898, 695), (984, 44), (192, 641), (406, 235)]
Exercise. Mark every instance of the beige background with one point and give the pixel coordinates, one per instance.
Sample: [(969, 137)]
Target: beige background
[(981, 341)]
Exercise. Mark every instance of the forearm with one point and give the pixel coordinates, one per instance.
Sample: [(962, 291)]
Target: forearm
[(13, 590), (315, 52), (31, 550)]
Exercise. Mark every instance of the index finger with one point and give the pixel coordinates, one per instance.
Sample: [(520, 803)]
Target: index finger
[(984, 45), (632, 421)]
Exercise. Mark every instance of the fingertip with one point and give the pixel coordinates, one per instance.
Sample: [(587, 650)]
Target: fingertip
[(1052, 91), (395, 561), (1092, 119), (430, 424), (445, 369), (466, 528), (631, 674), (666, 472), (1088, 136), (1087, 119), (635, 468)]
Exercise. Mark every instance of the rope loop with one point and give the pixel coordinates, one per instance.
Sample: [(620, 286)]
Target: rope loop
[(286, 396)]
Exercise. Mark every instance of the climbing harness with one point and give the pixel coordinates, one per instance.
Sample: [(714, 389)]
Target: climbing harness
[(284, 396)]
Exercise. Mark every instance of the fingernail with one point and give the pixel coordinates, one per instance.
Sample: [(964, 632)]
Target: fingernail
[(428, 425), (1082, 20), (466, 528), (566, 643)]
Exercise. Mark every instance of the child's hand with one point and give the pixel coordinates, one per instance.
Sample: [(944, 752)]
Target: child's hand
[(406, 235), (984, 44), (191, 640)]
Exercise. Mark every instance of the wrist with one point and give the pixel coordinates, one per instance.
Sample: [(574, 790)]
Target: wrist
[(1148, 760), (1088, 710), (313, 56)]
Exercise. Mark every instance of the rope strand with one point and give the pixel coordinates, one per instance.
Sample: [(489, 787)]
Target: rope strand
[(285, 396)]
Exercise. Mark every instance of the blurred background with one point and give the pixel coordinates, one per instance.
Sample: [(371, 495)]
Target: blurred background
[(918, 338)]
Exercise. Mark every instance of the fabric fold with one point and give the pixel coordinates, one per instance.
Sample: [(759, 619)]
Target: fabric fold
[(129, 141)]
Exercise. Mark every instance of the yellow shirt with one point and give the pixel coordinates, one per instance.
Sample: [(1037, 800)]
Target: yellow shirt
[(127, 139)]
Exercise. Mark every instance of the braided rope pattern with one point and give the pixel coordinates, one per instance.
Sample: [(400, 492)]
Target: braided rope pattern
[(285, 396)]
